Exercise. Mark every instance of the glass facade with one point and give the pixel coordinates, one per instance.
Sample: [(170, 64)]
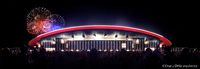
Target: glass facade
[(101, 40)]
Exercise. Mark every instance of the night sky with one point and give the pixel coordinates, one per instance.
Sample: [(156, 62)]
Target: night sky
[(177, 21)]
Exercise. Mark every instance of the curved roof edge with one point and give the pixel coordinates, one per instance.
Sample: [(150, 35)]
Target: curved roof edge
[(35, 40)]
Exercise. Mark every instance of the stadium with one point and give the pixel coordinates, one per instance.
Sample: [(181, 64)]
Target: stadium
[(99, 37)]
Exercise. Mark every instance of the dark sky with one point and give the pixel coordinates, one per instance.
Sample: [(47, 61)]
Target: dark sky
[(177, 21)]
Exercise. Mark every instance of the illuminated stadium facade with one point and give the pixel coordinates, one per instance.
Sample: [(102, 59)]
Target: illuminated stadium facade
[(99, 37)]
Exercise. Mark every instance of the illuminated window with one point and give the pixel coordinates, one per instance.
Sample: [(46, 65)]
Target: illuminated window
[(133, 46), (137, 41), (123, 45), (67, 45)]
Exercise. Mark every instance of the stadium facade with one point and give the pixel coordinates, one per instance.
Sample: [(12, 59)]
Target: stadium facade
[(99, 37)]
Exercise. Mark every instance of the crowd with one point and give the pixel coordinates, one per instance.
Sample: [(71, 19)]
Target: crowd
[(97, 60)]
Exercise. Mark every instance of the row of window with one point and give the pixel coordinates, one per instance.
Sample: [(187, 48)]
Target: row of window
[(99, 45)]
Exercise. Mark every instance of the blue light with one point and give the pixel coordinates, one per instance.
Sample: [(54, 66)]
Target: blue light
[(55, 27)]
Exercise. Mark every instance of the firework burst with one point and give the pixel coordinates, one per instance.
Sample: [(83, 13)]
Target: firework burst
[(40, 20), (57, 21)]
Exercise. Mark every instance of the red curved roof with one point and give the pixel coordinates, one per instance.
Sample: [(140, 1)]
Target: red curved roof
[(35, 40)]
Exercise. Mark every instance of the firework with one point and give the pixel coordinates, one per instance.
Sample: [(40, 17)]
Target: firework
[(56, 21), (37, 21), (40, 20)]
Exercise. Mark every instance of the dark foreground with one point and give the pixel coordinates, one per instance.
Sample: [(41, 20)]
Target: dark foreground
[(100, 60)]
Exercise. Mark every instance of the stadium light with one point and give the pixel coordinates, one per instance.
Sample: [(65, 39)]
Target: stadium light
[(30, 50), (53, 42), (137, 41), (161, 45), (38, 44), (50, 49), (117, 50), (146, 42), (62, 41), (88, 50), (62, 50), (152, 48), (127, 50), (111, 50)]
